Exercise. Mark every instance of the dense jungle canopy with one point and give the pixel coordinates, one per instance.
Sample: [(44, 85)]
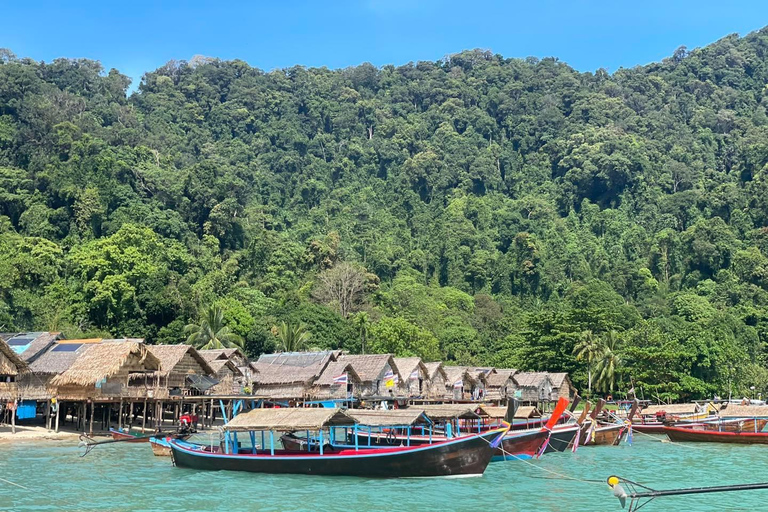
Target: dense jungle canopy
[(477, 209)]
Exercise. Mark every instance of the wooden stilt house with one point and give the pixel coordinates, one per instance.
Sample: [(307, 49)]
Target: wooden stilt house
[(290, 375), (107, 370), (415, 376), (181, 369), (533, 387), (500, 385), (339, 381), (436, 379), (460, 382), (11, 367), (379, 375)]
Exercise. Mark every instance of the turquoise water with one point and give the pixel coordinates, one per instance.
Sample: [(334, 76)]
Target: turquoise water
[(124, 477)]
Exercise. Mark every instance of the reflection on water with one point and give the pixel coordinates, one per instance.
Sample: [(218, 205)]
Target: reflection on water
[(125, 477)]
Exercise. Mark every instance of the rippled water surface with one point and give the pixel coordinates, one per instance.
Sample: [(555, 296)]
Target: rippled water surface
[(129, 477)]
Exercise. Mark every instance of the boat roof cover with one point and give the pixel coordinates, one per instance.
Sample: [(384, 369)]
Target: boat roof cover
[(393, 418), (449, 411), (289, 419)]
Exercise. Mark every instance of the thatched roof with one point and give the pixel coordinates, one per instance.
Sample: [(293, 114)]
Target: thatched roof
[(222, 353), (103, 360), (455, 373), (522, 413), (217, 364), (370, 366), (531, 379), (333, 370), (527, 411), (408, 365), (393, 417), (434, 368), (449, 411), (743, 411), (10, 362), (289, 419), (171, 355), (672, 409), (28, 345), (499, 378), (558, 379)]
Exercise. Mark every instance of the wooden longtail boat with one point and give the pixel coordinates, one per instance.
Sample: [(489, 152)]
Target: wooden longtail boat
[(651, 427), (129, 437), (562, 438), (728, 425), (603, 434), (526, 444), (160, 446), (678, 434), (462, 456)]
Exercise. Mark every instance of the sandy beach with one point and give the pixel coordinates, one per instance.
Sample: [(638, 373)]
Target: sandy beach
[(25, 433)]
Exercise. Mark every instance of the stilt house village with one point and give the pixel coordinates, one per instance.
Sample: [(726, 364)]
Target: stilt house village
[(96, 384)]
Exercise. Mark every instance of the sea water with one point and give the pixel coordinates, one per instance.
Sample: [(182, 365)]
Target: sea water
[(121, 477)]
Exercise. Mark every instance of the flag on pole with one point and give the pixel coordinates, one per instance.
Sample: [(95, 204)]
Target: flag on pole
[(458, 384), (631, 390), (341, 379), (414, 375), (390, 379)]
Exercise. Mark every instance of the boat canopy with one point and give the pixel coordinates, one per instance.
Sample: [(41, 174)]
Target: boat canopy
[(449, 411), (289, 419), (389, 418)]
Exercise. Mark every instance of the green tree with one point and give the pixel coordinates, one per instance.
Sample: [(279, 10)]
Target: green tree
[(211, 333), (291, 337)]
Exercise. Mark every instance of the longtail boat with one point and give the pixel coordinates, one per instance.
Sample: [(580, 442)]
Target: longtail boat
[(463, 456), (129, 436), (160, 446), (683, 434), (526, 444)]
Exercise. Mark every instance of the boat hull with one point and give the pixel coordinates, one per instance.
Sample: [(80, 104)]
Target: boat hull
[(677, 434), (520, 445), (160, 447), (466, 456), (610, 435), (649, 428), (561, 439), (127, 437)]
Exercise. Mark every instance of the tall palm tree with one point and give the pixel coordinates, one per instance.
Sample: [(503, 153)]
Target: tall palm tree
[(608, 362), (587, 349), (291, 337), (211, 332), (362, 323)]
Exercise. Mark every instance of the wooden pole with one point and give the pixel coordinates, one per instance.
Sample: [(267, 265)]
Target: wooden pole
[(93, 413), (120, 416), (175, 414), (48, 415), (144, 417), (58, 411), (13, 418)]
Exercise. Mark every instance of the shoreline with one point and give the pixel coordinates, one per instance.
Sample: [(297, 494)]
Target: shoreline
[(32, 433)]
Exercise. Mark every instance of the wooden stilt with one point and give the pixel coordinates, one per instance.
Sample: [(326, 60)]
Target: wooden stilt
[(175, 414), (144, 417), (48, 415), (58, 411), (120, 416), (93, 413), (13, 419)]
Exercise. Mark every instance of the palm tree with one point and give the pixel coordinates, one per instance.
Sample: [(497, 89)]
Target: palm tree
[(211, 332), (362, 323), (608, 362), (291, 337), (587, 349)]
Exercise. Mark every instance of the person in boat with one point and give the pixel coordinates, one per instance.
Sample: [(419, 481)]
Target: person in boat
[(185, 424)]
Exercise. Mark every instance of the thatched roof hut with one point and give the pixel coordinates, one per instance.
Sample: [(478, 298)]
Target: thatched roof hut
[(325, 387), (237, 358), (289, 375), (50, 362), (289, 419), (562, 387), (177, 364), (436, 380), (500, 385), (109, 369), (229, 376), (449, 411), (533, 387), (415, 376), (372, 369), (11, 366), (743, 411), (525, 412), (460, 382)]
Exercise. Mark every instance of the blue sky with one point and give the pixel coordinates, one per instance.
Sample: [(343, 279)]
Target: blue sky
[(138, 36)]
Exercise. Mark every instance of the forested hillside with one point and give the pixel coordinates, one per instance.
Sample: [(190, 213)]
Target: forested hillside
[(478, 209)]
